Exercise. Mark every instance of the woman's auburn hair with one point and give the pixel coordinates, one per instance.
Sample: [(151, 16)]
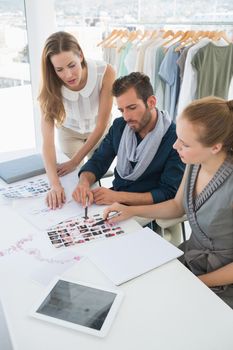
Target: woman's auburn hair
[(50, 96), (214, 118)]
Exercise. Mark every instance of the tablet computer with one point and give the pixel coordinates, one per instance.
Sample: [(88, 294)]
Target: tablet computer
[(79, 306)]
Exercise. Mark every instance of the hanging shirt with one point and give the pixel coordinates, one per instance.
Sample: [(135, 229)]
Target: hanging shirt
[(81, 107), (181, 60), (159, 84), (189, 82), (214, 65), (170, 74), (122, 69), (130, 59), (109, 55)]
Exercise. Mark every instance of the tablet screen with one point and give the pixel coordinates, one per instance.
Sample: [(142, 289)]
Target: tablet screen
[(79, 306)]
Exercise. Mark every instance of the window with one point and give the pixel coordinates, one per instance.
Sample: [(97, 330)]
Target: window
[(90, 20), (17, 125)]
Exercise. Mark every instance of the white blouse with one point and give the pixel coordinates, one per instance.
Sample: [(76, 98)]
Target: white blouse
[(81, 107)]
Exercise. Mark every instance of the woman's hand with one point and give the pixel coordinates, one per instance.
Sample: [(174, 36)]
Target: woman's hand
[(66, 167), (56, 197), (124, 212)]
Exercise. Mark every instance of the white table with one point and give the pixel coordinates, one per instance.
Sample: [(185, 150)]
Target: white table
[(166, 309)]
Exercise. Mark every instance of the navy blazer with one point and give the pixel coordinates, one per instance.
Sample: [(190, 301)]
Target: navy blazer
[(162, 177)]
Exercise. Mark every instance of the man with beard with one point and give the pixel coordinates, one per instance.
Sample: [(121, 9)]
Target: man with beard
[(148, 170)]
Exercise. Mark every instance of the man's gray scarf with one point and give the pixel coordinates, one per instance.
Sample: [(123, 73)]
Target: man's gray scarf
[(143, 153)]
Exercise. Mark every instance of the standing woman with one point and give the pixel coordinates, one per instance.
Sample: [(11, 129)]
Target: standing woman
[(76, 97), (205, 144)]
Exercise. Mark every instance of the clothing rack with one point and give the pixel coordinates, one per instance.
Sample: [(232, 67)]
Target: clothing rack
[(155, 52), (145, 26), (184, 37)]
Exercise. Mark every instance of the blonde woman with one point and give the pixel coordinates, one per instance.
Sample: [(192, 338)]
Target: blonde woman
[(76, 97), (205, 144)]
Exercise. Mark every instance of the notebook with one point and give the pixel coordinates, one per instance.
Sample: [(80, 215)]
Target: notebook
[(126, 257), (22, 168)]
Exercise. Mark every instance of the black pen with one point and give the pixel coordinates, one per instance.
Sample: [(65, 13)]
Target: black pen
[(86, 209), (111, 216)]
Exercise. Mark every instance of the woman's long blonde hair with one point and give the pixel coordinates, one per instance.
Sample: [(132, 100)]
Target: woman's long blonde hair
[(50, 97)]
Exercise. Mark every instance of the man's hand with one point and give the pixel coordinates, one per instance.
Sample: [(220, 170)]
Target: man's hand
[(104, 195), (65, 168), (81, 193)]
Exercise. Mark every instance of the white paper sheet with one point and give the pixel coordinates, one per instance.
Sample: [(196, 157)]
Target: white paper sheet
[(38, 214), (126, 257), (58, 264), (36, 211)]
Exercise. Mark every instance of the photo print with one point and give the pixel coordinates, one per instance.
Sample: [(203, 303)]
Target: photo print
[(30, 189), (79, 230)]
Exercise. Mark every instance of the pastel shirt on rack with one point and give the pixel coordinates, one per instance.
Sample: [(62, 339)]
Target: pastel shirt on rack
[(130, 59), (81, 107), (214, 65), (159, 84), (122, 69), (153, 57), (109, 55), (189, 82), (139, 64), (169, 73), (149, 58)]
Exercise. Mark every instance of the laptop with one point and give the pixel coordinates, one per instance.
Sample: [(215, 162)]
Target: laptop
[(22, 168), (6, 342)]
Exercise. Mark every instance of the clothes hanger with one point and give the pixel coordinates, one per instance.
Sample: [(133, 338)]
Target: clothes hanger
[(221, 35), (112, 34), (131, 37), (168, 33), (186, 39), (147, 33), (157, 33), (121, 34), (176, 35)]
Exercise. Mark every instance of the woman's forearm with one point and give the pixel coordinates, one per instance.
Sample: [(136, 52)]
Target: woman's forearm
[(92, 140), (49, 156), (165, 210), (219, 277)]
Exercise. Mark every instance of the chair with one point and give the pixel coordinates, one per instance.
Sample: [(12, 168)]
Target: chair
[(174, 227), (170, 229), (109, 173)]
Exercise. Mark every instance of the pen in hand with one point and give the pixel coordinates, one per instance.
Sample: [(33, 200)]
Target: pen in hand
[(86, 209), (109, 217)]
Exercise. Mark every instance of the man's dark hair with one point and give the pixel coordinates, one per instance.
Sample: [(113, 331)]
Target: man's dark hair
[(140, 82)]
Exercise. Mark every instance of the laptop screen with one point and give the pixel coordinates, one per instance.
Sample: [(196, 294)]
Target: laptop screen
[(22, 168)]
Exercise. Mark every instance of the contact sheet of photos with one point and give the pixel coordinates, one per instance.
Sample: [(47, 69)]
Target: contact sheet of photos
[(80, 231), (30, 189)]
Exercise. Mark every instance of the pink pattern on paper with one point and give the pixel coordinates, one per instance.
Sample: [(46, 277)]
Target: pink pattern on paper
[(34, 252)]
